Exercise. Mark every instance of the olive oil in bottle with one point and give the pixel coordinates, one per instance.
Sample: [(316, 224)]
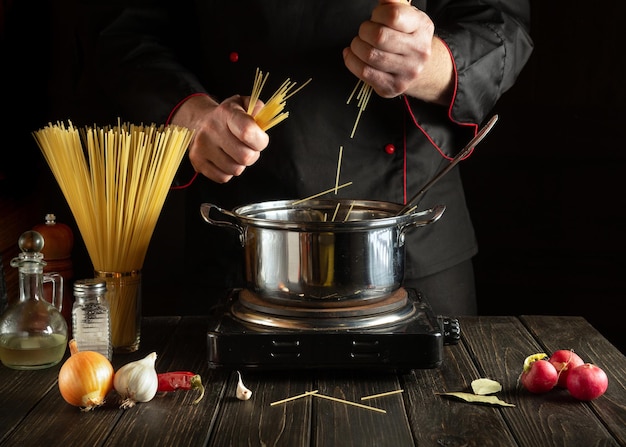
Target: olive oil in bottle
[(33, 333)]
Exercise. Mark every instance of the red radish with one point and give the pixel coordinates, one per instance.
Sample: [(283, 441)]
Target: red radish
[(587, 382), (564, 360), (539, 375)]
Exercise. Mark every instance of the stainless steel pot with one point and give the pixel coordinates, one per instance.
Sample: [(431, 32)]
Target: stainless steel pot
[(322, 252)]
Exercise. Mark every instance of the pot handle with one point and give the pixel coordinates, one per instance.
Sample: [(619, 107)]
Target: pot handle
[(225, 219), (422, 218)]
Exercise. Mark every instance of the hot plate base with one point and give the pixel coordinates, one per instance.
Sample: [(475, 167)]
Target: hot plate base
[(414, 343)]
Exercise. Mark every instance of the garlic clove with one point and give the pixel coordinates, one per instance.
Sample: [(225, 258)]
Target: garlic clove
[(242, 393)]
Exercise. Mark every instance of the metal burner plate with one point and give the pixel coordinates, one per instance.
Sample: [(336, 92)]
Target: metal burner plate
[(386, 311)]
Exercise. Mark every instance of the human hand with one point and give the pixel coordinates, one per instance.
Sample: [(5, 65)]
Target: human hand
[(396, 53), (226, 140)]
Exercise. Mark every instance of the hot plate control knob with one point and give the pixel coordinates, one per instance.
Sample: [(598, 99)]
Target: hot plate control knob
[(451, 330)]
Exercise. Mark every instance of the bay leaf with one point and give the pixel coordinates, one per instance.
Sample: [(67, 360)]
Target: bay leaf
[(475, 398)]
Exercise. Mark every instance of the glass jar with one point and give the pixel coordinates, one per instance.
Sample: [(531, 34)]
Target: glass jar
[(91, 319), (124, 297)]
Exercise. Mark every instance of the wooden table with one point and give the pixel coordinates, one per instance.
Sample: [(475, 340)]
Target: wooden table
[(32, 411)]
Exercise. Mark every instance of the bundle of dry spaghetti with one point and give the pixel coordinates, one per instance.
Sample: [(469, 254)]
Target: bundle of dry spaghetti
[(273, 111), (115, 180)]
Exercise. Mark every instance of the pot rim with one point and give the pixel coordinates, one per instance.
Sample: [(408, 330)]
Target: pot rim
[(378, 214)]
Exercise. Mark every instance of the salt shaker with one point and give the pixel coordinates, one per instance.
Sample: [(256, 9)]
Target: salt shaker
[(91, 317)]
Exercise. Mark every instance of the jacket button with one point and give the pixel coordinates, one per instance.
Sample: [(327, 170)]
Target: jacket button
[(234, 56), (390, 148)]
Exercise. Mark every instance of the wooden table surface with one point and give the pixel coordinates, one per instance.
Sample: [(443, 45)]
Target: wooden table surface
[(32, 411)]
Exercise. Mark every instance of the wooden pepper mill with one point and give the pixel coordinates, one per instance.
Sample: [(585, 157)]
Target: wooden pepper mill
[(57, 252)]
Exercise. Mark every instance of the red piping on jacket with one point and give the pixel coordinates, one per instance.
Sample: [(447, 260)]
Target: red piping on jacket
[(169, 119), (410, 111)]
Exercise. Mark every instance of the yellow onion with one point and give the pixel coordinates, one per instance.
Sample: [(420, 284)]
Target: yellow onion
[(85, 378)]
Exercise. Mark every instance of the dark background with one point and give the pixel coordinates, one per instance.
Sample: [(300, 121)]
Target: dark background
[(546, 189)]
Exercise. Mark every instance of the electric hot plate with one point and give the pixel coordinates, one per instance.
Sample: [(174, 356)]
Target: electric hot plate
[(396, 332)]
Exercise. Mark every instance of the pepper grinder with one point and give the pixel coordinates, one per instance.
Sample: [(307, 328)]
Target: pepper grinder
[(57, 254)]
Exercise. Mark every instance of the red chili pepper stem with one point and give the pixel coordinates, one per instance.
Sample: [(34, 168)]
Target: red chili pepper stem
[(196, 383)]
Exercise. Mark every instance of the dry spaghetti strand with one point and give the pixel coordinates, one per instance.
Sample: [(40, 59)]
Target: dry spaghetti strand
[(343, 401), (319, 194), (289, 399), (115, 180), (363, 98), (273, 111), (376, 396)]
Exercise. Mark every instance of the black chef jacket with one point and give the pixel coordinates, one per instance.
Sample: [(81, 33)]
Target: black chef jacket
[(150, 61)]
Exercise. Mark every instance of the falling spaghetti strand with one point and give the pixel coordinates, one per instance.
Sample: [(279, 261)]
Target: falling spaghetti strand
[(363, 98), (273, 111)]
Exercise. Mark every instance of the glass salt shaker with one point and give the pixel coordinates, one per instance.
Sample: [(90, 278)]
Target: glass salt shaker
[(91, 317)]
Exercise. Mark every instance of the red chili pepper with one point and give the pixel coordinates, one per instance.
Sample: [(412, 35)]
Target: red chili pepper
[(181, 380)]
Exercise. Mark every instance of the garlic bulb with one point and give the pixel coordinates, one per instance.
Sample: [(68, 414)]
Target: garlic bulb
[(137, 381), (242, 393)]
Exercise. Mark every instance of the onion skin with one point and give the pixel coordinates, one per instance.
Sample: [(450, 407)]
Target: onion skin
[(85, 378)]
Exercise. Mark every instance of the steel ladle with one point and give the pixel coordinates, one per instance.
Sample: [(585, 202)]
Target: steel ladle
[(410, 205)]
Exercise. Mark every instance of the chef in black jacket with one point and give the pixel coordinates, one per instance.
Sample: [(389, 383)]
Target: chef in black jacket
[(437, 69)]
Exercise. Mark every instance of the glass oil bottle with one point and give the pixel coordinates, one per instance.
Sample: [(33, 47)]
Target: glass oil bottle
[(33, 333)]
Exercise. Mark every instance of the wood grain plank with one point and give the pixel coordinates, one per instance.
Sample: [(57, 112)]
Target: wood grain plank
[(21, 391), (90, 428), (441, 420), (255, 421), (337, 423), (171, 418), (493, 347), (577, 334), (499, 345)]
